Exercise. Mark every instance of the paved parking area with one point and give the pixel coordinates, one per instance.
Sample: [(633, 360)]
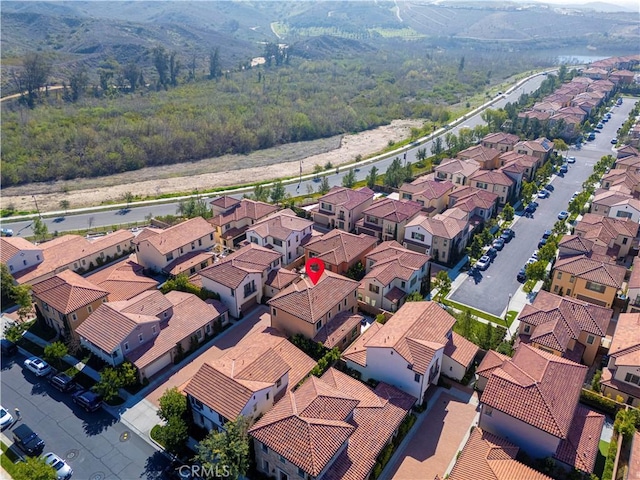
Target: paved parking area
[(436, 438)]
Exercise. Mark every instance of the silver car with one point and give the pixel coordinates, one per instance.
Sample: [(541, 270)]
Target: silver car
[(37, 366), (63, 470), (5, 418)]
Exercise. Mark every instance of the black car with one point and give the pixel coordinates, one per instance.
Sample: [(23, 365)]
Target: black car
[(88, 400), (27, 440), (549, 187), (8, 347), (542, 242), (62, 382), (492, 253), (547, 234), (522, 276)]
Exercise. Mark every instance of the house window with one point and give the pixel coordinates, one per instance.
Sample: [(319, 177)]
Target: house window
[(169, 256), (126, 346), (279, 383), (417, 236), (371, 219), (374, 288), (300, 472), (406, 196), (527, 329), (233, 293), (140, 338), (572, 279), (199, 242), (75, 265), (273, 311), (488, 411), (354, 332), (631, 378), (199, 334), (74, 317), (255, 407), (318, 325), (621, 214), (118, 248), (590, 339), (84, 262), (283, 460), (208, 328), (38, 257), (403, 284), (265, 463), (249, 288), (197, 403), (277, 242), (559, 276), (89, 309), (211, 236), (267, 396), (416, 378), (46, 306), (555, 289), (595, 287), (624, 240), (153, 329), (568, 292), (193, 245)]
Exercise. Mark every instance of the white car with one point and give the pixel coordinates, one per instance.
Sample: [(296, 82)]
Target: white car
[(38, 366), (5, 418), (63, 470), (483, 263), (543, 194), (571, 160)]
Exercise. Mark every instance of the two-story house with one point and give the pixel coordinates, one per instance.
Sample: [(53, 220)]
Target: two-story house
[(432, 194), (239, 278), (541, 148), (633, 287), (156, 249), (564, 326), (494, 181), (19, 254), (232, 217), (486, 157), (408, 351), (340, 250), (622, 375), (283, 232), (532, 401), (456, 170), (615, 204), (246, 380), (503, 142), (609, 232), (123, 280), (74, 252), (332, 427), (319, 311), (386, 219), (527, 162), (66, 300), (393, 272), (442, 237), (478, 204), (147, 329), (588, 279), (342, 207)]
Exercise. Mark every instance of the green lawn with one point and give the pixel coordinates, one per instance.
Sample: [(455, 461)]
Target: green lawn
[(487, 316), (603, 449), (8, 459)]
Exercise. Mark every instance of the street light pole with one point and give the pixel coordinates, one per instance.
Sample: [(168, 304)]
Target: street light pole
[(36, 202)]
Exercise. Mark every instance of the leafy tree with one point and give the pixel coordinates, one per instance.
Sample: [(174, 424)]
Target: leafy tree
[(6, 285), (527, 191), (174, 433), (261, 193), (54, 352), (229, 448), (22, 296), (356, 271), (486, 236), (437, 148), (194, 207), (494, 118), (64, 205), (536, 271), (465, 320), (33, 468), (174, 68), (443, 283), (560, 145), (414, 297), (548, 251), (78, 82), (324, 186), (173, 404), (349, 180), (395, 174), (215, 71), (113, 379), (408, 172), (317, 169), (127, 197), (486, 336), (40, 229), (372, 178), (33, 76), (131, 73), (508, 212), (161, 63), (475, 249), (277, 192), (421, 154)]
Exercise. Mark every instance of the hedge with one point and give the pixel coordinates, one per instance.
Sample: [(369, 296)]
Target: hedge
[(387, 452), (600, 402)]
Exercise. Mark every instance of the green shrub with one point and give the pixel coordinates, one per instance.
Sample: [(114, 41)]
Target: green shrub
[(598, 401)]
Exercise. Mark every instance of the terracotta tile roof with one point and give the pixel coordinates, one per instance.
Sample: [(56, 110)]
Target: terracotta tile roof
[(609, 198), (634, 280), (574, 245), (625, 344), (67, 291), (490, 362), (357, 351), (469, 198), (246, 209), (592, 270), (312, 302), (610, 381), (65, 250), (12, 246), (151, 302), (631, 161), (488, 457), (456, 165), (281, 278), (258, 361), (190, 314), (523, 159), (337, 246), (605, 229), (393, 261), (309, 426), (280, 225), (461, 350), (580, 448), (541, 144), (232, 270), (416, 331), (428, 188), (123, 280), (224, 202), (346, 197), (178, 235), (627, 151), (492, 177), (396, 211), (479, 153), (395, 295), (634, 460), (337, 328), (545, 106), (190, 259), (574, 111), (532, 114), (501, 138), (538, 388), (440, 225), (513, 167)]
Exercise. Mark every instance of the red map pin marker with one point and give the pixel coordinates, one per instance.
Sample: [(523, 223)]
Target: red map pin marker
[(315, 269)]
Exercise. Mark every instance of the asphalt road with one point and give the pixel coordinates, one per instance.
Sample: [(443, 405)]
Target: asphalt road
[(116, 217), (95, 445), (491, 290)]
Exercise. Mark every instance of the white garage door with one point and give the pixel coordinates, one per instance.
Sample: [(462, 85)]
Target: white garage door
[(158, 365)]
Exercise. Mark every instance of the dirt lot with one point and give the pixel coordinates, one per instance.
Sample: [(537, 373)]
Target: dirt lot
[(206, 174)]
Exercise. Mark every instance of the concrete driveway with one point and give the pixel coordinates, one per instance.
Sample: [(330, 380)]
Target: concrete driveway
[(257, 319), (436, 438)]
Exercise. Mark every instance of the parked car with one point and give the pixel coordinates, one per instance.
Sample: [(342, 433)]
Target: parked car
[(62, 382), (543, 194), (6, 418), (522, 276), (498, 244), (529, 210), (564, 169), (507, 235), (600, 125), (6, 232), (483, 263), (63, 470), (38, 366), (575, 194), (27, 440), (491, 253), (549, 187), (571, 159), (534, 255), (547, 234), (88, 400), (563, 215), (591, 136), (614, 141), (542, 243), (8, 348)]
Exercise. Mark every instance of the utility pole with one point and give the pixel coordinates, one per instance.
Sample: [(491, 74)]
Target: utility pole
[(36, 202)]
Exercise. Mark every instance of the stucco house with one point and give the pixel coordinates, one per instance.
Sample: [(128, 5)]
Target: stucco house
[(246, 380), (486, 157), (622, 375), (432, 194), (528, 162), (532, 399), (612, 233), (541, 148), (386, 219), (232, 217), (123, 280), (324, 312), (478, 204), (633, 291), (501, 141), (342, 207), (240, 278), (494, 181), (456, 170), (392, 273), (442, 237), (147, 329), (340, 250), (615, 204), (332, 427), (19, 254)]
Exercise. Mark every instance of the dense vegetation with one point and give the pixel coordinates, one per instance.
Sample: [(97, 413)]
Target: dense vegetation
[(235, 113)]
